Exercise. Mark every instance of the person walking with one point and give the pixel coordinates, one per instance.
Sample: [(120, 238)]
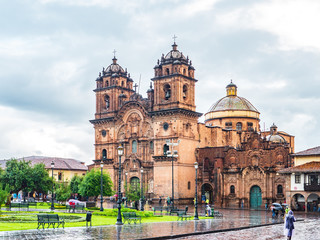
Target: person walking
[(289, 226)]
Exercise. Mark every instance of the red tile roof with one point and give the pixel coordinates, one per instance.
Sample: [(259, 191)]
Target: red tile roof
[(307, 167), (59, 163), (308, 152)]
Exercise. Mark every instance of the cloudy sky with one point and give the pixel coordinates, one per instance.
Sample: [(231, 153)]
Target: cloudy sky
[(51, 52)]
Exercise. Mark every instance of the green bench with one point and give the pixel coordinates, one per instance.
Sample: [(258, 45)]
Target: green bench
[(157, 209), (49, 219), (130, 217), (18, 205), (183, 215), (75, 207)]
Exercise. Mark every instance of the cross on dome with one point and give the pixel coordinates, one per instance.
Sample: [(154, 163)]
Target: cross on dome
[(174, 38)]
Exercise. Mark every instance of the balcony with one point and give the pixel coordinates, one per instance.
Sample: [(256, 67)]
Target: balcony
[(312, 187)]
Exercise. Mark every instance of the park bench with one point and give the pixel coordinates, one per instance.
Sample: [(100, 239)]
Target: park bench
[(183, 215), (18, 205), (176, 210), (75, 207), (49, 219), (155, 209), (130, 216)]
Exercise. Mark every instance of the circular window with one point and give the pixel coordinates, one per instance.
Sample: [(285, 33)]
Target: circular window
[(104, 133), (165, 126)]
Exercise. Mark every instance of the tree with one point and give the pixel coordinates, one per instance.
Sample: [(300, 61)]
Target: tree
[(75, 184), (4, 194), (133, 194), (19, 175), (63, 192), (42, 182), (90, 186)]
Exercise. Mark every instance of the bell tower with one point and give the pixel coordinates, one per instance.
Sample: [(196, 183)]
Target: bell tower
[(114, 87), (174, 82)]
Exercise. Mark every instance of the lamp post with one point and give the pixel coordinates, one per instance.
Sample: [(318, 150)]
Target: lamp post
[(119, 218), (173, 153), (196, 194), (52, 205), (126, 190), (101, 199), (142, 207)]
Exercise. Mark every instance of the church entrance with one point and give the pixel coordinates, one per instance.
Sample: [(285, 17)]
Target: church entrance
[(206, 193), (255, 197)]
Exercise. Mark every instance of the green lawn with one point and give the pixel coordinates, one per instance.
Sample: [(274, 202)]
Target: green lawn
[(28, 220)]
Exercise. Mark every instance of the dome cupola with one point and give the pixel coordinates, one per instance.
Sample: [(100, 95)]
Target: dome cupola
[(233, 112)]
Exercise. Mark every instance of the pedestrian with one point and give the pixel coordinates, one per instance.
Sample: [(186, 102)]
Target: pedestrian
[(168, 201), (289, 226), (160, 200)]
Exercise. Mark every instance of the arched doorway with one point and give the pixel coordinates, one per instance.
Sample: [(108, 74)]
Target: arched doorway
[(255, 197), (206, 193), (298, 202), (312, 202)]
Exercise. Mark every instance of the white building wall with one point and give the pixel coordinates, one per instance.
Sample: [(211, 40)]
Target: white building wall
[(297, 186)]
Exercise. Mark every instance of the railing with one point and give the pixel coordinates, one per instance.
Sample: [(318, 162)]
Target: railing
[(311, 187)]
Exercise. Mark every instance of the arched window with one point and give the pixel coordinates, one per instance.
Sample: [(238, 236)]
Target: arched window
[(189, 185), (122, 83), (279, 189), (135, 184), (232, 189), (165, 149), (167, 91), (104, 154), (185, 91), (107, 83), (107, 101), (239, 126), (184, 72), (134, 146), (167, 70)]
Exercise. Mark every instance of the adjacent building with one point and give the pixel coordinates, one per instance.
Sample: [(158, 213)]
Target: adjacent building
[(303, 180)]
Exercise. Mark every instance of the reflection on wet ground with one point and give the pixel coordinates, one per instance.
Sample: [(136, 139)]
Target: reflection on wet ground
[(232, 219)]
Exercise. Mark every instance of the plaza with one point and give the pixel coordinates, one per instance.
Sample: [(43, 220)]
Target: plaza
[(235, 224)]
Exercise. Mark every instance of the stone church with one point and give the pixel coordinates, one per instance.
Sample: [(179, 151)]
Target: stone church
[(237, 162)]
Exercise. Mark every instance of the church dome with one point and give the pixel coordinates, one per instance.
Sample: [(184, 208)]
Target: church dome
[(232, 106), (114, 67), (174, 57), (232, 103), (275, 138)]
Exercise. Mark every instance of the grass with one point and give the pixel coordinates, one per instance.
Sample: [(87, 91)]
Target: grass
[(11, 220)]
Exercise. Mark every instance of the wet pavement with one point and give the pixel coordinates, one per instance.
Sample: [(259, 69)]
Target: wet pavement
[(232, 219)]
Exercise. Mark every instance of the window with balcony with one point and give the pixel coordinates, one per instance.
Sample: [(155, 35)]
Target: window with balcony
[(228, 125)]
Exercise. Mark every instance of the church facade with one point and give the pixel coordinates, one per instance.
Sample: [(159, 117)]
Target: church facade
[(162, 138)]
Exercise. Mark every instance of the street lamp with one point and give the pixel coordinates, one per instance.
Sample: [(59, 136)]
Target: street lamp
[(196, 197), (101, 207), (52, 205), (142, 208), (119, 218), (126, 190)]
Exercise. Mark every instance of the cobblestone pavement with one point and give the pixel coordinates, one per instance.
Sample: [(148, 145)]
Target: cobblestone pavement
[(232, 219), (304, 230)]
